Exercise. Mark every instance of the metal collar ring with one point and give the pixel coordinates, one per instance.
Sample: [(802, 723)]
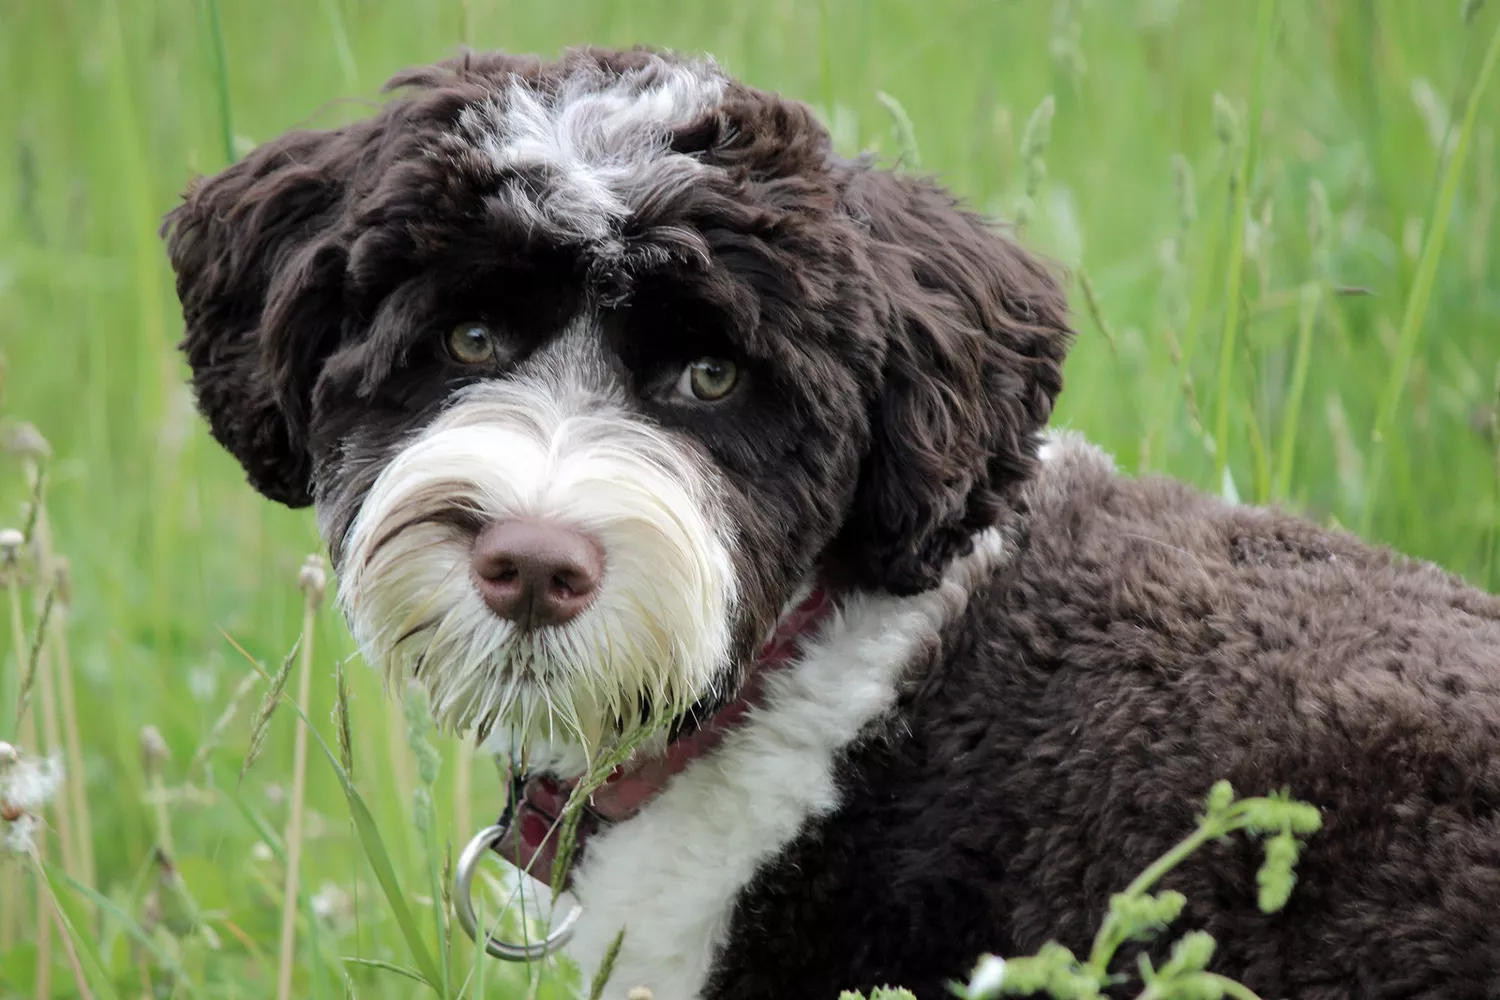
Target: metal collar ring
[(463, 879)]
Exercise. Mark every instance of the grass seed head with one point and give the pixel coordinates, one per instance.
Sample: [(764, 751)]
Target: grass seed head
[(1038, 132), (216, 732), (342, 727), (268, 709), (1226, 122), (62, 580), (312, 580), (419, 726), (1184, 191), (154, 750)]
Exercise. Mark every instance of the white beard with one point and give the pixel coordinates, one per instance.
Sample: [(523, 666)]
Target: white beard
[(545, 447)]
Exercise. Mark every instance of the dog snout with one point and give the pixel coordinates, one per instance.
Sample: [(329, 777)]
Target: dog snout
[(536, 574)]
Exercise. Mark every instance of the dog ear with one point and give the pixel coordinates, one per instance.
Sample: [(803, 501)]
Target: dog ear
[(977, 332), (259, 266)]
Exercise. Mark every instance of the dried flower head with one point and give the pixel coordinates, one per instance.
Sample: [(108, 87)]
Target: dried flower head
[(154, 751), (26, 783), (18, 836), (332, 904), (25, 441), (11, 541)]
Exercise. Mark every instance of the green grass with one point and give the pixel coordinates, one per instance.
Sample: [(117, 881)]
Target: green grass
[(1355, 378)]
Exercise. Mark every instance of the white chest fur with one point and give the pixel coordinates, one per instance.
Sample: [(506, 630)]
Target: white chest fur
[(671, 874)]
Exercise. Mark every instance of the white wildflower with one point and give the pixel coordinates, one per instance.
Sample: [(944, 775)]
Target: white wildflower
[(11, 541), (25, 786), (331, 903), (19, 836), (988, 976), (203, 684), (261, 851), (29, 782)]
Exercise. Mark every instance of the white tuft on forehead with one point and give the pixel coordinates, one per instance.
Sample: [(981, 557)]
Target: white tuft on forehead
[(590, 149)]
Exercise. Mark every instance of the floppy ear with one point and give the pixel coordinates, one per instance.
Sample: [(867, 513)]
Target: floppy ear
[(260, 265), (977, 332)]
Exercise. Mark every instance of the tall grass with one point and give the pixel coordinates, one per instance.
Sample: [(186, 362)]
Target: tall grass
[(1325, 280)]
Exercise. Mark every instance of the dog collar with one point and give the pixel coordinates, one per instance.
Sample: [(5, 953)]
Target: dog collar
[(536, 802)]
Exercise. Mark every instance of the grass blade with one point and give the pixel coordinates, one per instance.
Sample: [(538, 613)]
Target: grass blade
[(418, 735), (257, 822), (1312, 298), (400, 970), (906, 132), (221, 78), (1091, 301), (34, 657), (93, 969), (341, 46), (370, 841), (1244, 179), (134, 930), (313, 582), (1492, 556), (380, 861), (1421, 289)]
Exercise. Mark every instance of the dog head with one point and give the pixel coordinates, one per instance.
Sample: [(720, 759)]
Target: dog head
[(589, 366)]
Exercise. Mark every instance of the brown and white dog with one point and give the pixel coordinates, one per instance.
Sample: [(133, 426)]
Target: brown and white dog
[(622, 398)]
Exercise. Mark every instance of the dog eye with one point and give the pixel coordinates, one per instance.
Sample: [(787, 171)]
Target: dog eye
[(471, 343), (708, 379)]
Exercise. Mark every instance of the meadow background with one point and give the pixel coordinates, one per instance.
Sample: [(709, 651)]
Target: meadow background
[(1280, 222)]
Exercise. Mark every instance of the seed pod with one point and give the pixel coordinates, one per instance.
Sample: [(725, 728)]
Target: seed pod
[(1226, 122), (154, 750), (312, 580)]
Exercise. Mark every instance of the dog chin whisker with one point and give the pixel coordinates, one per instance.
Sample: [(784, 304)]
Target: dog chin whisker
[(395, 531), (415, 630)]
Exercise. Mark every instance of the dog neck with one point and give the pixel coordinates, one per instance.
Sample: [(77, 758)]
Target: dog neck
[(537, 802)]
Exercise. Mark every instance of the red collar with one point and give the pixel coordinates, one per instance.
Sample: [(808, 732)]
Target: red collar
[(531, 843)]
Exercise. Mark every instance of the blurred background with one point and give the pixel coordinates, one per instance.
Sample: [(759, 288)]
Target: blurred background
[(1280, 226)]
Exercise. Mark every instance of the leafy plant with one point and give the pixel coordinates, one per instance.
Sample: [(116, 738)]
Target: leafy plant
[(1139, 915)]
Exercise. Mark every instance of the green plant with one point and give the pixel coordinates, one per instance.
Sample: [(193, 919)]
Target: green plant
[(1139, 915)]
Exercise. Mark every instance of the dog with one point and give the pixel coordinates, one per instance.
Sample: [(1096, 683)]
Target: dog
[(626, 405)]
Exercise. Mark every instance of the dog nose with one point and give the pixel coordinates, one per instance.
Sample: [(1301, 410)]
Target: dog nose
[(534, 573)]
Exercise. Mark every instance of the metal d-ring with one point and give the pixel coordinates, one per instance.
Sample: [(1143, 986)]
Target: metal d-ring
[(463, 879)]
